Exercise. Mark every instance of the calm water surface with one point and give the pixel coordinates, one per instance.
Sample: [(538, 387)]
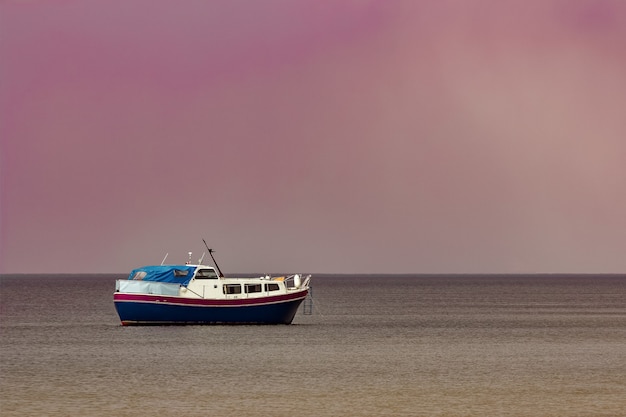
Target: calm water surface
[(375, 346)]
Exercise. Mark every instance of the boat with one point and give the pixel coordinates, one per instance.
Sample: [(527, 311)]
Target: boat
[(200, 294)]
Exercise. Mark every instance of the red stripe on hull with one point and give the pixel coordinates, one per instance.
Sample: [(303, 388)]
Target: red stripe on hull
[(151, 298)]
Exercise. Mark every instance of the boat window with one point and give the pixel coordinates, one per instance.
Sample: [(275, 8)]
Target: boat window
[(206, 274), (271, 287), (253, 288), (180, 273), (139, 275), (232, 288)]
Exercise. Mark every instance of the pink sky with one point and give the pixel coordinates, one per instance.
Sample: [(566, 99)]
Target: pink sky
[(314, 136)]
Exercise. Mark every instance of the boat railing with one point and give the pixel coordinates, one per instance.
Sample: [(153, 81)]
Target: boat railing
[(297, 281)]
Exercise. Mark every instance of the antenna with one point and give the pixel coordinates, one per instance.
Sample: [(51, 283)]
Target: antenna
[(211, 253), (200, 260), (164, 258), (189, 260)]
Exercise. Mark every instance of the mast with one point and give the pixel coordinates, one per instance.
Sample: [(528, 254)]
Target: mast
[(211, 253)]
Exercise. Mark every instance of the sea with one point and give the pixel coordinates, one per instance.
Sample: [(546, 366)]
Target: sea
[(373, 345)]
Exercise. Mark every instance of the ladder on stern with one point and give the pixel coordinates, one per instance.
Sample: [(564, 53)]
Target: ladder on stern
[(307, 304)]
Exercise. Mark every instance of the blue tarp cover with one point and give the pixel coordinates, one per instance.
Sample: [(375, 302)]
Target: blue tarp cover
[(177, 274)]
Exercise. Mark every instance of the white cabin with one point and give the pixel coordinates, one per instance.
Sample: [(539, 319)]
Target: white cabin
[(205, 283)]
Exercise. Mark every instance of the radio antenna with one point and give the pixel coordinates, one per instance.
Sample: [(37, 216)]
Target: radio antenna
[(211, 253), (164, 258), (200, 260)]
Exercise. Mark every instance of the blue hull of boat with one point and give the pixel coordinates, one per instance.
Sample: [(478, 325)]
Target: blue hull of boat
[(144, 313)]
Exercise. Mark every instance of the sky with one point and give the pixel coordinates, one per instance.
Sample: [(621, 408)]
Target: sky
[(373, 136)]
